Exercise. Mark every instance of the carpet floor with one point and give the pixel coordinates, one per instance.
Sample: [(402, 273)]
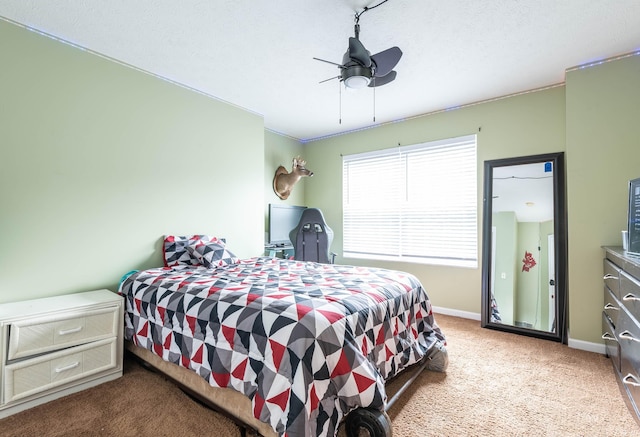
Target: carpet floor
[(497, 384)]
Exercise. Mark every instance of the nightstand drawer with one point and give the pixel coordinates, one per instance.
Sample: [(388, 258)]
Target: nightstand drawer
[(29, 377), (29, 337)]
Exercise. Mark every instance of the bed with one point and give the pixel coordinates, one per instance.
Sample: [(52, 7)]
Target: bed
[(299, 345)]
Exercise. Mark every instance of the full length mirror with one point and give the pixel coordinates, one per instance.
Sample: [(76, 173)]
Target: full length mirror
[(524, 246)]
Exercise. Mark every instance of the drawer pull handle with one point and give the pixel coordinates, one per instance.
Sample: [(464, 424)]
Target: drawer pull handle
[(609, 276), (69, 367), (608, 336), (630, 296), (611, 307), (627, 336), (631, 380), (70, 331)]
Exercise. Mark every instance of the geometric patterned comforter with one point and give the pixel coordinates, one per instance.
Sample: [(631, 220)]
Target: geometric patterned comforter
[(306, 342)]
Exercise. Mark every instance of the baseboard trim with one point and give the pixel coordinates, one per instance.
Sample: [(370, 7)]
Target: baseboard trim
[(456, 313), (572, 343), (587, 346)]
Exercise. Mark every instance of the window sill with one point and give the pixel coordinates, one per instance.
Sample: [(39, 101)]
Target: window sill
[(471, 264)]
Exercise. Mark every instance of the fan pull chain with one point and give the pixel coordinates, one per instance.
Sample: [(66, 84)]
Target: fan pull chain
[(339, 102), (374, 99)]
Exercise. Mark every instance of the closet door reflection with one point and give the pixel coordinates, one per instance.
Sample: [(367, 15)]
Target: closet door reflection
[(524, 246)]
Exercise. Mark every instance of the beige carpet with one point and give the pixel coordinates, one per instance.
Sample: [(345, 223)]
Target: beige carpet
[(497, 384)]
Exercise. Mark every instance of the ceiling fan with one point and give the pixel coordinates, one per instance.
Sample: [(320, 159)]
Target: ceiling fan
[(360, 69)]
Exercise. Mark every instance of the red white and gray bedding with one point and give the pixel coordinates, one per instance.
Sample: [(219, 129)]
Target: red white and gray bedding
[(306, 342)]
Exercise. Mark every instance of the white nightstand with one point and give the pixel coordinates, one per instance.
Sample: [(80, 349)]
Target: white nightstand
[(56, 346)]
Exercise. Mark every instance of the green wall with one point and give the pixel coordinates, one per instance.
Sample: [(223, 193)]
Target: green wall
[(506, 229), (521, 125), (603, 154), (280, 150), (100, 161)]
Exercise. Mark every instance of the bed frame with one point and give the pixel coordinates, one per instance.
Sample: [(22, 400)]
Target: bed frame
[(226, 401), (237, 406)]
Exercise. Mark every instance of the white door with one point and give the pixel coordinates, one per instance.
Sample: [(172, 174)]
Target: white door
[(552, 283), (493, 260)]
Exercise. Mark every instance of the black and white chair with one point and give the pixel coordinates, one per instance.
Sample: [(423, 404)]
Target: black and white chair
[(312, 238)]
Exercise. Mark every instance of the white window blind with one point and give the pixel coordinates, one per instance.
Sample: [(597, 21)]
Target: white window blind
[(413, 203)]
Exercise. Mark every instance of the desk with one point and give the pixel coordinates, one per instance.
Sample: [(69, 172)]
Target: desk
[(279, 251)]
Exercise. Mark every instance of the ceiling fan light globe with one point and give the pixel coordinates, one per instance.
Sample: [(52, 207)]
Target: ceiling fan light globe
[(356, 77), (357, 82)]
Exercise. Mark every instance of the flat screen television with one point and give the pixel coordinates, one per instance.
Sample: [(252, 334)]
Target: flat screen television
[(633, 229), (282, 219)]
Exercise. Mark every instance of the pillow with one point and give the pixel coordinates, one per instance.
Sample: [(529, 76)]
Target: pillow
[(175, 249), (212, 254)]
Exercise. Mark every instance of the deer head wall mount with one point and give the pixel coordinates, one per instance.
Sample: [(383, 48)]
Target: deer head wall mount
[(283, 181)]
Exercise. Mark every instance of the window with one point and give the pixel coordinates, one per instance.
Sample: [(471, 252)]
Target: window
[(413, 203)]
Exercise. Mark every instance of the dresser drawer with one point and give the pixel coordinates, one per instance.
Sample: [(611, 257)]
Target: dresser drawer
[(610, 341), (36, 375), (631, 265), (612, 277), (631, 381), (616, 257), (630, 294), (612, 307), (29, 337), (628, 335)]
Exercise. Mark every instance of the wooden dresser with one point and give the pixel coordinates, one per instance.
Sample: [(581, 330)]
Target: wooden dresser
[(55, 346), (621, 320)]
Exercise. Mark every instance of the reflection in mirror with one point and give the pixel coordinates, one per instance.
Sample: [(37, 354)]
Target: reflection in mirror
[(524, 247)]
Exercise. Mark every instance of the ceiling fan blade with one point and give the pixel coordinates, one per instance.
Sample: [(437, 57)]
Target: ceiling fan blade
[(329, 62), (358, 53), (379, 81), (385, 61), (331, 78)]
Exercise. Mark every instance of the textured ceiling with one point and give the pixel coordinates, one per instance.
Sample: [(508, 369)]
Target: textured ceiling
[(258, 55)]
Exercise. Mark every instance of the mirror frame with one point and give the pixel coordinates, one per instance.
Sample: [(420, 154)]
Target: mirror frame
[(560, 243)]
